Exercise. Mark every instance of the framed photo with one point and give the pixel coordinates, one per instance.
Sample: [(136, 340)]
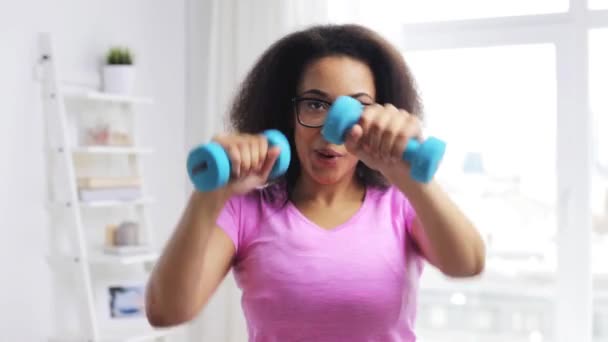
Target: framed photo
[(126, 301), (120, 305)]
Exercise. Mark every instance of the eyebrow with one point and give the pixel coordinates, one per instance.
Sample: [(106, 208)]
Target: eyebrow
[(324, 94)]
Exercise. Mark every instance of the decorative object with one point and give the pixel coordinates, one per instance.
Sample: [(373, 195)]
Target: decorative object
[(126, 301), (103, 134), (124, 239), (119, 71), (127, 234), (124, 234), (120, 304)]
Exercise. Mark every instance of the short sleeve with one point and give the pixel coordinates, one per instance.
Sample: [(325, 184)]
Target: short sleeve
[(229, 219), (410, 215), (403, 209), (412, 249)]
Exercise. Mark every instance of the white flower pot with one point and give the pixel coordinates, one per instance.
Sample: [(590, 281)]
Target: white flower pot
[(118, 79)]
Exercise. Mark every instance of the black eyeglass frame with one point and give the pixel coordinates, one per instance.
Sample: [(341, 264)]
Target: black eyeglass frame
[(295, 100)]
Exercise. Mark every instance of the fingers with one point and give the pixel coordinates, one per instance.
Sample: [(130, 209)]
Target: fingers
[(245, 148), (392, 142), (271, 158), (353, 139), (369, 125), (234, 154), (380, 129), (262, 152), (247, 153), (386, 131)]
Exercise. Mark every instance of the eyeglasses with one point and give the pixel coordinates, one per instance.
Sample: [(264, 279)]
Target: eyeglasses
[(311, 112)]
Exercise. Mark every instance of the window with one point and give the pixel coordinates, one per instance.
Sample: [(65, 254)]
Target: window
[(410, 11), (496, 109), (506, 96), (598, 4), (500, 130)]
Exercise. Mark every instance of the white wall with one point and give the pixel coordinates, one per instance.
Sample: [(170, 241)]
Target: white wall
[(82, 30)]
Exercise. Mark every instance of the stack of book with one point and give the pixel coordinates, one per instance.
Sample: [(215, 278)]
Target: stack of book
[(92, 189)]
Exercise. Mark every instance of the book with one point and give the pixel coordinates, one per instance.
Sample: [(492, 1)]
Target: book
[(110, 194), (108, 182)]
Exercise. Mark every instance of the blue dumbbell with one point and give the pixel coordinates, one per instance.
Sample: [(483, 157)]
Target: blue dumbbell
[(209, 164), (424, 158)]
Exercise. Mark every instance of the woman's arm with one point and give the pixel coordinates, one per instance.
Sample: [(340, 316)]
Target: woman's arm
[(445, 236), (199, 254), (193, 264)]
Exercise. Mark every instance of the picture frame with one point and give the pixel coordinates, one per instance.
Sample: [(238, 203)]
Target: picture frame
[(120, 304)]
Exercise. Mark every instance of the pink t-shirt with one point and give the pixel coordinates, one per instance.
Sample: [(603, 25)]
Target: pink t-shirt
[(300, 282)]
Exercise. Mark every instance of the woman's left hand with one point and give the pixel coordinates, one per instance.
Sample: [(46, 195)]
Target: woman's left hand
[(380, 137)]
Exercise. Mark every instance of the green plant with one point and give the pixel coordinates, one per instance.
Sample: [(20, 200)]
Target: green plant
[(119, 56)]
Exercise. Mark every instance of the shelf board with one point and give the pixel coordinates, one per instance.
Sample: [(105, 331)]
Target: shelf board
[(143, 336), (140, 336), (117, 203), (94, 95), (99, 257), (105, 258), (111, 150)]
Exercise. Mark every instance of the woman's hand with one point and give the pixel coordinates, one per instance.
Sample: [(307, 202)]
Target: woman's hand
[(251, 160), (380, 137)]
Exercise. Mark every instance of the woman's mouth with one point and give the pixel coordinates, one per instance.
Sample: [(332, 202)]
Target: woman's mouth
[(327, 157), (328, 153)]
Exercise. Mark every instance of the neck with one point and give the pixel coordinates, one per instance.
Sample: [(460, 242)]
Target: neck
[(308, 190)]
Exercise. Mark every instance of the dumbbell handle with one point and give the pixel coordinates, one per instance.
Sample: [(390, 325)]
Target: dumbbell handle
[(424, 158), (209, 165)]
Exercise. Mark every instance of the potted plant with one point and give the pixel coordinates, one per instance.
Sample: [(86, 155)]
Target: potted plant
[(119, 71)]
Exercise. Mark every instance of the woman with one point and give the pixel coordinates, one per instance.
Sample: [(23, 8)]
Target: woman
[(333, 250)]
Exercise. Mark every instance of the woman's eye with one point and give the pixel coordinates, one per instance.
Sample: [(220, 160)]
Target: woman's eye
[(317, 105)]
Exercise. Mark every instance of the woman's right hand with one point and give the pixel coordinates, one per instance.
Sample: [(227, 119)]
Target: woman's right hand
[(251, 160)]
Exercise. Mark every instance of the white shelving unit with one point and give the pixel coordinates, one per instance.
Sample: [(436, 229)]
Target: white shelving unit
[(81, 254)]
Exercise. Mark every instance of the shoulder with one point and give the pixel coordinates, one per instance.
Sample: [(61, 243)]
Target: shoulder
[(261, 199), (394, 200), (390, 195), (242, 215)]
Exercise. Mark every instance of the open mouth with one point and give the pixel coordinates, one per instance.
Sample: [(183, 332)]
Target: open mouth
[(328, 154)]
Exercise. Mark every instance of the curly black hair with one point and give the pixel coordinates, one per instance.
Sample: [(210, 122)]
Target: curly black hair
[(263, 100)]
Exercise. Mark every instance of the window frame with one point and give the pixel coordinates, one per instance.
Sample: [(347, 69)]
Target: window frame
[(569, 32)]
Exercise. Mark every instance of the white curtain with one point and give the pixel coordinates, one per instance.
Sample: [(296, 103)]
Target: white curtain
[(225, 37)]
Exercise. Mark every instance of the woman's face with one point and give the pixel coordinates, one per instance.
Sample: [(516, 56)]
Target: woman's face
[(322, 82)]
